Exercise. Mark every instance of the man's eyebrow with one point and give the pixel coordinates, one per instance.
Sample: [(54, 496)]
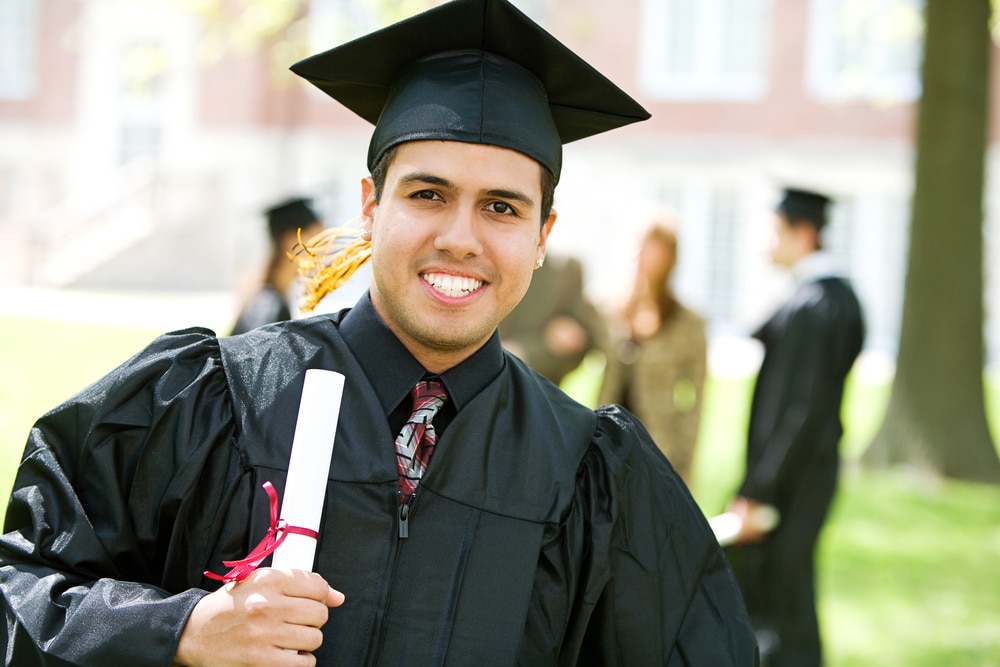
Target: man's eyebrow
[(430, 179), (512, 195)]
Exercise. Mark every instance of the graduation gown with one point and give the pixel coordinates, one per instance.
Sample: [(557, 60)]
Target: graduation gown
[(267, 305), (792, 458), (542, 533)]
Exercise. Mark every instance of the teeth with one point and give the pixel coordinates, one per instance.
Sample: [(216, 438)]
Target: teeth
[(452, 285)]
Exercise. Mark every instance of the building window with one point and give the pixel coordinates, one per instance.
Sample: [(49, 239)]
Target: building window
[(704, 49), (725, 247), (19, 26), (867, 234), (142, 81), (710, 231), (865, 49), (333, 22)]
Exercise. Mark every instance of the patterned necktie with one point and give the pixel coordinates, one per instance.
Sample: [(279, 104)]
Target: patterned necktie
[(415, 443)]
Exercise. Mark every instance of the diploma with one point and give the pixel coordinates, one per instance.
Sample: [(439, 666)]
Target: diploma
[(727, 525), (309, 467)]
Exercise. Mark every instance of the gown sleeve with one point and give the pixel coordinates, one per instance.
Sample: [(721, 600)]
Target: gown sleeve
[(654, 585), (102, 500)]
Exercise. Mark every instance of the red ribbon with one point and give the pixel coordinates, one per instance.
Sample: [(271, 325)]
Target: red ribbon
[(276, 534)]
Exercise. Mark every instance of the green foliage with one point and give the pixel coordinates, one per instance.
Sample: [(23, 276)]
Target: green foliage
[(282, 28)]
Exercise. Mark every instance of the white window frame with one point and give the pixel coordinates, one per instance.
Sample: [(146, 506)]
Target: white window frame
[(142, 98), (19, 28), (866, 50), (710, 215), (715, 26), (333, 22)]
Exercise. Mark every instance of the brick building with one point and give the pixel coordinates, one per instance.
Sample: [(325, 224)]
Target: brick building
[(135, 152)]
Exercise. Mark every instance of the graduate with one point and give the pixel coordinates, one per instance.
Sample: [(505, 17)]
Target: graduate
[(287, 221), (474, 514), (792, 458)]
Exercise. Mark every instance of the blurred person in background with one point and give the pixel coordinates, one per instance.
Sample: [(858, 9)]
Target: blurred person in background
[(270, 302), (660, 355), (555, 326), (792, 457)]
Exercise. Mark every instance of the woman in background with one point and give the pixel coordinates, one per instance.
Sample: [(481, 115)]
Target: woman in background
[(658, 369)]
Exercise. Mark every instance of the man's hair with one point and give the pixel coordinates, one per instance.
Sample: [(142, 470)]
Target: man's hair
[(804, 207), (381, 169)]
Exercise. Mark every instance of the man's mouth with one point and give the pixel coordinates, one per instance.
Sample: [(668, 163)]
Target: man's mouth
[(452, 286)]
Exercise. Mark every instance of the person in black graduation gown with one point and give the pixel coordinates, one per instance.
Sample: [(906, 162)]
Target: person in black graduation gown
[(792, 459), (286, 220), (543, 533)]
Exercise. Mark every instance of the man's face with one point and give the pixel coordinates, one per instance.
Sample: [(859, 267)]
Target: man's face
[(455, 239), (789, 243)]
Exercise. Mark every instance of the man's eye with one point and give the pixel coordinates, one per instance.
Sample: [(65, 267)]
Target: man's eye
[(503, 208), (425, 194)]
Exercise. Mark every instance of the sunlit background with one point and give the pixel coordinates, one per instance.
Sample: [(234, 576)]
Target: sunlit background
[(140, 139)]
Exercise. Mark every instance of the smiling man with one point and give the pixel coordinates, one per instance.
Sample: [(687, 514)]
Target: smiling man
[(474, 514), (459, 228)]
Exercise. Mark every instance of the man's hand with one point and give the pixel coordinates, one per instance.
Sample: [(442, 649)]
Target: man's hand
[(756, 519), (273, 617), (565, 337)]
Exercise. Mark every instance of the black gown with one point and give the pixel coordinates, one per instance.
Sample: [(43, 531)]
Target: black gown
[(267, 305), (543, 533), (793, 461)]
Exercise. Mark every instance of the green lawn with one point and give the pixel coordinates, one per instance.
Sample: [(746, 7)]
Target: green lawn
[(908, 566), (43, 363)]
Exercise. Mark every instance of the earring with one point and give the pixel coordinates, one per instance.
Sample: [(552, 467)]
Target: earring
[(540, 262)]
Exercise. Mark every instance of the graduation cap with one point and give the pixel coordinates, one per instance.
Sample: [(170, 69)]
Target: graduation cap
[(804, 205), (475, 71), (290, 214)]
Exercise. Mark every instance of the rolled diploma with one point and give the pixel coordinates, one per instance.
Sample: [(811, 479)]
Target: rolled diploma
[(309, 466), (727, 525)]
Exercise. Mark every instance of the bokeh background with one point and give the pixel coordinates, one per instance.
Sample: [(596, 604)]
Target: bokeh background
[(141, 139)]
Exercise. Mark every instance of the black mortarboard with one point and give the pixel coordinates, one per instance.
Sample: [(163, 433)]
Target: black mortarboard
[(476, 71), (803, 205), (290, 214)]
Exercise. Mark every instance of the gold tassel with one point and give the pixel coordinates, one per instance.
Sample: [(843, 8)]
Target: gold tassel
[(328, 260)]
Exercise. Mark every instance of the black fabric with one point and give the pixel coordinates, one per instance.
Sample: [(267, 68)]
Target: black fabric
[(289, 215), (544, 533), (799, 205), (512, 84), (267, 306), (792, 458)]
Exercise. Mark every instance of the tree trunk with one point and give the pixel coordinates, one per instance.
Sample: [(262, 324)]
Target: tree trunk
[(936, 417)]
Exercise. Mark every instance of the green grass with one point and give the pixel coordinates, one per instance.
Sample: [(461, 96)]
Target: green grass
[(908, 567), (42, 363)]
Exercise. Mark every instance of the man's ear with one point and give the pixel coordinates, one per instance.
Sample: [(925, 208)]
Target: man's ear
[(810, 236), (368, 206), (546, 230)]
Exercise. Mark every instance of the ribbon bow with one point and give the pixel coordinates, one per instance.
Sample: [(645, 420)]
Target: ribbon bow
[(276, 534)]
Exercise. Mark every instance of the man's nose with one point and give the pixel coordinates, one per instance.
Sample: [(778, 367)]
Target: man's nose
[(459, 234)]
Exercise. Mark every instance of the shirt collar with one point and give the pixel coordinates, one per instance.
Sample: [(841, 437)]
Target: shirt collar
[(816, 266), (392, 370)]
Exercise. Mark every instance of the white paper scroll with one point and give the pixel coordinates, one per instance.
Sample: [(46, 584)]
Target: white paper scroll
[(727, 525), (309, 466)]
